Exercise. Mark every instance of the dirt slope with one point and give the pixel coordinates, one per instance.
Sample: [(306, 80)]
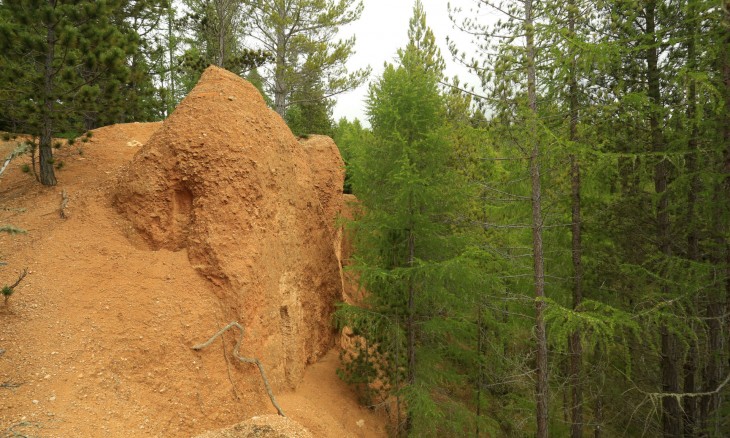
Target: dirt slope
[(96, 341)]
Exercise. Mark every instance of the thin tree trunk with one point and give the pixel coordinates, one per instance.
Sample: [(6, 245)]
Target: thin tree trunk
[(480, 371), (170, 104), (724, 359), (221, 13), (397, 379), (598, 414), (671, 412), (693, 251), (48, 177), (541, 388), (280, 89), (574, 345), (410, 323)]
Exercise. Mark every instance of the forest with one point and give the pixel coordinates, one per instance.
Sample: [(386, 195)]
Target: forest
[(545, 252)]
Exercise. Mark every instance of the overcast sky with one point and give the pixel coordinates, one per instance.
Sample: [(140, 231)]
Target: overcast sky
[(382, 30)]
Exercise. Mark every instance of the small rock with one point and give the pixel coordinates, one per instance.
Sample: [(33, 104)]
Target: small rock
[(35, 402), (360, 423), (231, 98)]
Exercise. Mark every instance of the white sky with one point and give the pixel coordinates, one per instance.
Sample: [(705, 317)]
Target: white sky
[(382, 30)]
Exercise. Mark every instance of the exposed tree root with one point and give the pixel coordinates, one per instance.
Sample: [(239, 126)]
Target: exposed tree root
[(8, 290), (64, 203), (243, 359)]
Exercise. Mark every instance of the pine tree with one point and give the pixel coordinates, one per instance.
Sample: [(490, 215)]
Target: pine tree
[(213, 32), (300, 35), (309, 111), (50, 46)]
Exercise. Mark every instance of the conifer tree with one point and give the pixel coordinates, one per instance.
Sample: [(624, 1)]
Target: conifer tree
[(309, 112), (218, 29), (49, 45), (408, 252), (301, 37)]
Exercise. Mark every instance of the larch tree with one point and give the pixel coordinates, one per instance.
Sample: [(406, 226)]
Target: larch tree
[(515, 81), (409, 252)]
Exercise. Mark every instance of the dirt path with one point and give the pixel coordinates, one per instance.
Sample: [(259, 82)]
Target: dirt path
[(96, 340)]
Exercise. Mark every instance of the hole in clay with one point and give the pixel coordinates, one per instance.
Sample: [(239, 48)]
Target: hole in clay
[(182, 209)]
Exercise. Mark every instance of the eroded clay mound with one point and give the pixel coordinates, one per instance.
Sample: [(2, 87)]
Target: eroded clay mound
[(265, 426), (329, 173), (225, 179)]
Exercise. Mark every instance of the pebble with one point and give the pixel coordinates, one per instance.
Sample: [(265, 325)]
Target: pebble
[(35, 402)]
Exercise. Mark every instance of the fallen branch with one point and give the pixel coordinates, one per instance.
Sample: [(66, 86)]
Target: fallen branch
[(64, 203), (11, 432), (21, 149), (243, 359), (10, 385), (8, 290), (681, 395)]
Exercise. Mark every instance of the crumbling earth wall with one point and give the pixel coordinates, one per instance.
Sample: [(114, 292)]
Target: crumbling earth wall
[(225, 180)]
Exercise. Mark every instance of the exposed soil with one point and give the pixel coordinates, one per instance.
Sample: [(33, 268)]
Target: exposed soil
[(96, 340)]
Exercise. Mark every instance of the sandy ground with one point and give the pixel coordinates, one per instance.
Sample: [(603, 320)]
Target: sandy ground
[(96, 339)]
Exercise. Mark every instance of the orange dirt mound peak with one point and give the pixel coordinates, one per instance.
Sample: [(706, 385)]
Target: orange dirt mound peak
[(225, 180)]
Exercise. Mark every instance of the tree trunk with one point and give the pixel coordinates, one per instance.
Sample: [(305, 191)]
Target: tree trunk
[(410, 323), (480, 371), (598, 413), (48, 177), (693, 251), (574, 345), (280, 88), (170, 104), (220, 10), (541, 387), (671, 412)]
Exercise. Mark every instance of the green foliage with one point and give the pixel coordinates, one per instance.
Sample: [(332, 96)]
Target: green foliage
[(349, 136), (647, 142), (307, 57), (311, 114), (11, 229), (411, 256), (66, 60)]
